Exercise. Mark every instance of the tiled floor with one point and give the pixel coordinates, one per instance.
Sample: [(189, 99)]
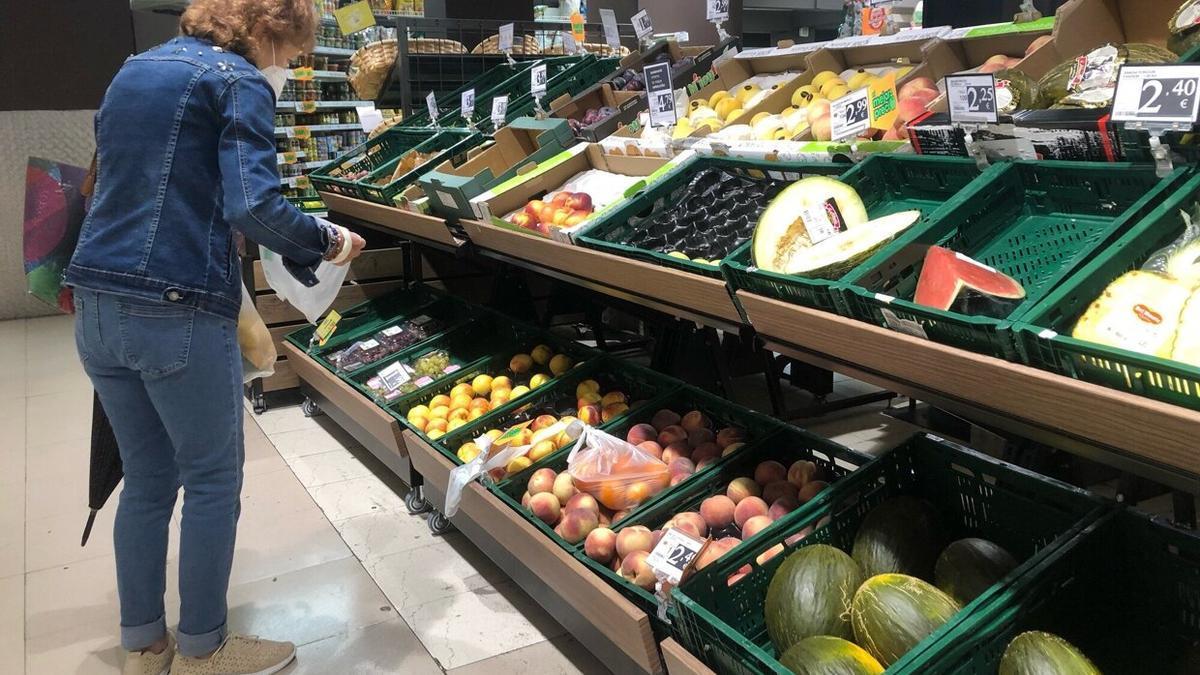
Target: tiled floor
[(326, 557)]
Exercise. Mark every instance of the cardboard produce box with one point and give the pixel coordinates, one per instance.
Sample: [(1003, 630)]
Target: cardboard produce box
[(625, 104), (781, 72)]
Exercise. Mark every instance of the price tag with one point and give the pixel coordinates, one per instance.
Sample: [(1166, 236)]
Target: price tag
[(537, 80), (286, 158), (506, 38), (642, 25), (368, 117), (394, 375), (468, 104), (1157, 95), (850, 115), (660, 94), (611, 35), (303, 74), (822, 221), (306, 107), (905, 326), (328, 325), (674, 555), (718, 10), (570, 46), (299, 132), (431, 105), (302, 183), (499, 111), (884, 109), (355, 17), (972, 98)]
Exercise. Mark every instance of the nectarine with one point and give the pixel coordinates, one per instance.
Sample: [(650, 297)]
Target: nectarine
[(641, 432), (633, 538), (600, 545), (545, 507), (768, 472), (635, 569), (755, 525), (748, 508), (743, 488), (697, 522), (542, 480), (718, 511), (664, 418)]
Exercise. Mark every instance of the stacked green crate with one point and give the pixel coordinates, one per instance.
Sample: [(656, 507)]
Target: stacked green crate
[(493, 82)]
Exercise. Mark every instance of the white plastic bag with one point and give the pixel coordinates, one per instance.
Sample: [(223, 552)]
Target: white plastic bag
[(257, 347), (619, 475), (313, 301)]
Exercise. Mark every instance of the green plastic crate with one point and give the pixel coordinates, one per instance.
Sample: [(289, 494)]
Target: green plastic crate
[(887, 184), (1043, 333), (611, 230), (1029, 515), (570, 82), (380, 156), (786, 444), (491, 83), (1036, 221), (1124, 592)]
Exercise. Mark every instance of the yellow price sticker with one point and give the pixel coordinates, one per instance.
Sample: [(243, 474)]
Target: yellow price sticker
[(356, 17), (287, 158), (303, 183), (883, 103), (303, 74), (306, 106), (301, 132), (328, 325)]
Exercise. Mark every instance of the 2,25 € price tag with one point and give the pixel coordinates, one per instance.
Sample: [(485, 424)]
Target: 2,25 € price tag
[(537, 80), (1164, 95), (674, 553), (972, 98), (850, 115), (642, 25), (660, 94)]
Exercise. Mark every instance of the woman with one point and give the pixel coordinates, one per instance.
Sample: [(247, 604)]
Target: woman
[(186, 156)]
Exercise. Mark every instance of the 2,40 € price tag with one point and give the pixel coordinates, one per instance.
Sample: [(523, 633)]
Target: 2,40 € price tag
[(674, 553), (1161, 95)]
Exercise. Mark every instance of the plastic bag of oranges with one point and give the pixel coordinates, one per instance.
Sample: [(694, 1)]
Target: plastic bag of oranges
[(619, 475)]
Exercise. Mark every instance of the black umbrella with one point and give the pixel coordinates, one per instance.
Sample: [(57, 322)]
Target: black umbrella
[(104, 470)]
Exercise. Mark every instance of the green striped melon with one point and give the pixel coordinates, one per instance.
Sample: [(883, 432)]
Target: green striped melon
[(892, 613), (1038, 653), (810, 595), (970, 566), (828, 655), (902, 535)]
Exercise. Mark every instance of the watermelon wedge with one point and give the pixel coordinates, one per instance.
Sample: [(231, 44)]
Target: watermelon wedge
[(946, 273)]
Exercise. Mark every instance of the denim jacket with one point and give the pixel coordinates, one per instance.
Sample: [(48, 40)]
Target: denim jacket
[(185, 142)]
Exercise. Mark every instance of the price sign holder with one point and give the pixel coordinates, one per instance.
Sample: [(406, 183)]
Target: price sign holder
[(431, 105), (611, 34), (972, 103), (505, 42), (537, 86), (849, 116), (642, 26), (673, 560), (499, 111), (468, 107), (660, 94), (718, 14), (1157, 99)]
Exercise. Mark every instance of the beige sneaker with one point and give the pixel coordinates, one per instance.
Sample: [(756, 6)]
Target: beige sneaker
[(239, 655), (149, 663)]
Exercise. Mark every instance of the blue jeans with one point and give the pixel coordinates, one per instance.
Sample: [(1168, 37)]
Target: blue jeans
[(170, 380)]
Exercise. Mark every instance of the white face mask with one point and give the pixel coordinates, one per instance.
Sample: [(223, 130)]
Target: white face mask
[(277, 76)]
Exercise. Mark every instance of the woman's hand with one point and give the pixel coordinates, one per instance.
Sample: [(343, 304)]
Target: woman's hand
[(356, 247)]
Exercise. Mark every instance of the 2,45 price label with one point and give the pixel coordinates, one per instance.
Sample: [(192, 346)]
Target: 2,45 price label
[(850, 115), (972, 98), (1164, 94)]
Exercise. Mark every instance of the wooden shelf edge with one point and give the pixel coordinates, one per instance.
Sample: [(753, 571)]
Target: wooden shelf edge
[(405, 223)]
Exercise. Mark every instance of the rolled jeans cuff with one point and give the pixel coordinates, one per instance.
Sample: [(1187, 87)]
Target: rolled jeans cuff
[(202, 644), (137, 638)]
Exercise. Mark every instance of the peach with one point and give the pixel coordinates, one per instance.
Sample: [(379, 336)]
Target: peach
[(993, 66), (811, 490), (560, 364), (614, 397), (634, 538), (697, 521), (541, 354), (705, 451), (543, 421), (480, 404), (748, 508), (715, 550), (664, 418), (604, 519), (564, 487), (639, 492), (742, 488), (915, 84), (782, 506), (732, 448), (618, 516), (695, 420), (672, 434), (684, 525), (542, 480), (730, 435), (612, 411), (697, 437), (768, 554), (587, 386), (768, 472), (502, 382), (545, 507), (583, 500), (577, 524), (780, 489), (651, 448), (517, 465), (640, 433), (460, 401), (500, 396), (1033, 46), (718, 511), (683, 466), (636, 571), (802, 471), (441, 400), (520, 364), (525, 500), (588, 398), (657, 537), (705, 463), (672, 453), (754, 525), (600, 545), (910, 109), (678, 478), (541, 450), (590, 414)]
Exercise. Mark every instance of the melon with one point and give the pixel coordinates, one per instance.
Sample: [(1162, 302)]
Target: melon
[(1038, 653), (827, 655), (892, 613), (1140, 312), (945, 274), (970, 566), (903, 535), (1186, 348), (810, 595)]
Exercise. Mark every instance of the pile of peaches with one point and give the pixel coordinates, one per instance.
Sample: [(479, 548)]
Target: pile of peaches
[(564, 209)]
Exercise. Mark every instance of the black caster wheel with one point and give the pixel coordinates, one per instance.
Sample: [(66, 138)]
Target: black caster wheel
[(416, 503), (310, 408), (260, 404), (439, 524)]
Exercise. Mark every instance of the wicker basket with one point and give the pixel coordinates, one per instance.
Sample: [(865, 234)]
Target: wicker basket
[(527, 45), (435, 46), (369, 68)]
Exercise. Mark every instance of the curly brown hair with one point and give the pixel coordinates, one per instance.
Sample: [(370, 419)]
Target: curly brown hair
[(233, 24)]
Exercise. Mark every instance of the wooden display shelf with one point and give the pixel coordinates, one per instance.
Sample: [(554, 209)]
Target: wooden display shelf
[(276, 311), (1141, 435), (615, 631), (680, 661), (372, 265), (706, 296), (411, 225)]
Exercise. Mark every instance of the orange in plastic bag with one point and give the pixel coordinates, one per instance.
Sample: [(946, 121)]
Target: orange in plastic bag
[(619, 475)]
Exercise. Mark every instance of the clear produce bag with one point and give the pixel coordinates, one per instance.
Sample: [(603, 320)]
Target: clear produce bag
[(258, 349), (619, 475), (312, 301)]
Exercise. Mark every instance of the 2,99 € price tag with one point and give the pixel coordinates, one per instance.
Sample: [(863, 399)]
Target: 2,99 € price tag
[(673, 555), (850, 115), (537, 80), (972, 98), (431, 104), (660, 94), (642, 25), (611, 34), (1157, 94), (499, 111), (718, 10), (506, 38), (468, 104)]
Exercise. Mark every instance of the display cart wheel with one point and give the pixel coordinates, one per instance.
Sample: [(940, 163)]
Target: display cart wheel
[(416, 503), (439, 523), (260, 404), (310, 407)]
